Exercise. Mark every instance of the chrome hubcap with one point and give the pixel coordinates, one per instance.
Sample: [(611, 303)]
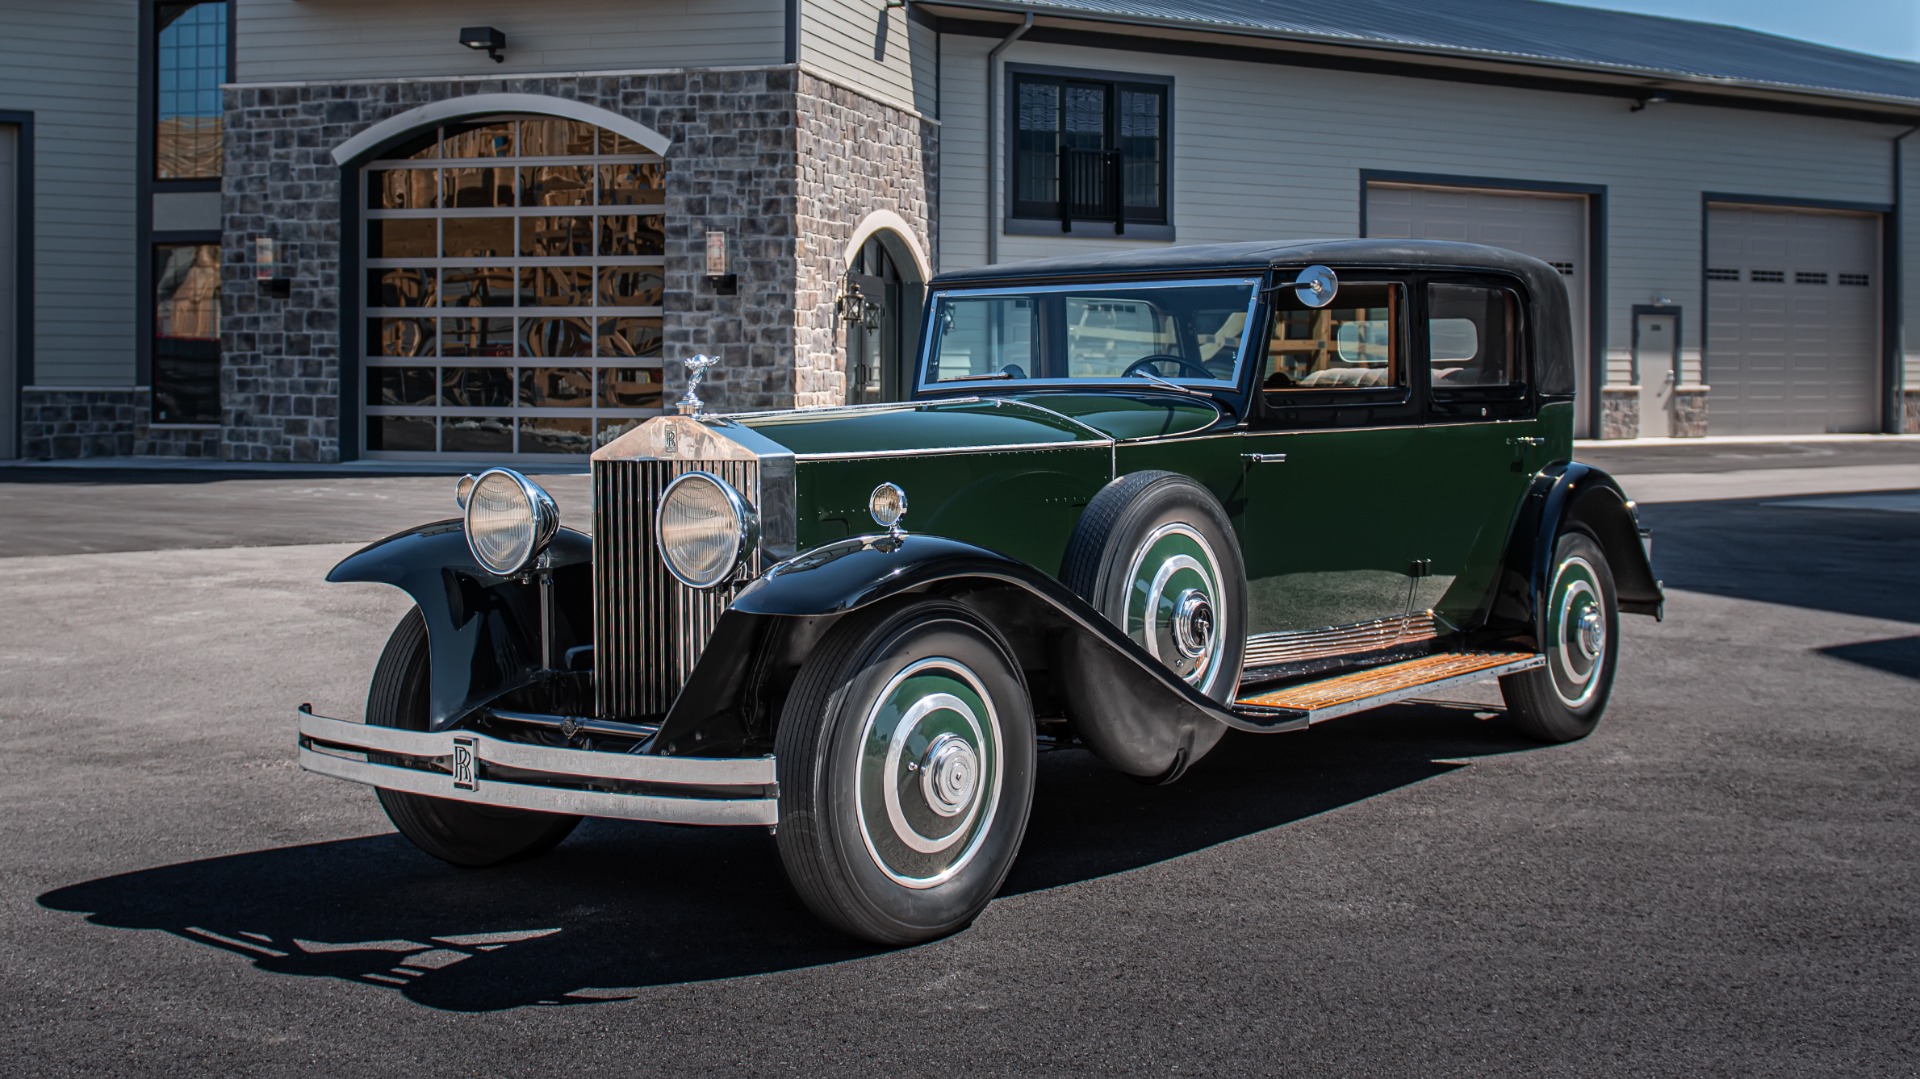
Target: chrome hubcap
[(1171, 582), (950, 775), (929, 763), (1193, 623), (1592, 634), (1576, 631)]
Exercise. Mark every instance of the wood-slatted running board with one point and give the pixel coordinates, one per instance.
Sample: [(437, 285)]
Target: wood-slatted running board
[(1393, 681)]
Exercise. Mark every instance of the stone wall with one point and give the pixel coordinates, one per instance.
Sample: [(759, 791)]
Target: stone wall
[(732, 167), (104, 423), (1910, 412), (1620, 412), (856, 156), (1690, 411)]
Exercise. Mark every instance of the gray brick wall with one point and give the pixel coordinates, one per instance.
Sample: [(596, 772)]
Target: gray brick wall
[(104, 423), (732, 167), (856, 156), (1619, 412)]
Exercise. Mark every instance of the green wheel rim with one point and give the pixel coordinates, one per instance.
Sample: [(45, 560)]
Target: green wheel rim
[(1173, 601), (1577, 631), (929, 772)]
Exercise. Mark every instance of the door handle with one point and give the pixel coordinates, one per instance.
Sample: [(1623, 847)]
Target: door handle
[(1264, 458), (1527, 440)]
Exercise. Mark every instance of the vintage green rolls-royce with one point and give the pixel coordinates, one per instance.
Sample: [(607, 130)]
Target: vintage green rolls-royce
[(1134, 501)]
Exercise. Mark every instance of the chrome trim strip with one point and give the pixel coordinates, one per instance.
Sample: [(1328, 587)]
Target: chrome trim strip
[(1424, 689), (574, 763), (834, 410), (936, 451), (1293, 646)]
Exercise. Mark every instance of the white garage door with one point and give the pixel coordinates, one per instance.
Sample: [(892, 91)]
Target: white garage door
[(1552, 228), (1793, 321), (9, 259)]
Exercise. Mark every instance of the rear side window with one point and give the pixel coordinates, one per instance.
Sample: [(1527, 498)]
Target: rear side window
[(1473, 339), (1353, 344)]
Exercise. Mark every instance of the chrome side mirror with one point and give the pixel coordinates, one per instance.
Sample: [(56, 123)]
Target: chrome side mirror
[(1316, 286)]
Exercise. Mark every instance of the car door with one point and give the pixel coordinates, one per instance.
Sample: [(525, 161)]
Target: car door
[(1480, 442), (1333, 424)]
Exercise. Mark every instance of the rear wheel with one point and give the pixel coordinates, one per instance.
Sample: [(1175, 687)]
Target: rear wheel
[(1564, 700), (457, 832), (906, 759)]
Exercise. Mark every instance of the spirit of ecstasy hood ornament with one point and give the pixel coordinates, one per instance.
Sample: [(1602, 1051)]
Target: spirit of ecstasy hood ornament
[(690, 405)]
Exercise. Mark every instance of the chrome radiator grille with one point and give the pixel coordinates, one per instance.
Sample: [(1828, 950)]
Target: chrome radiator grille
[(649, 629)]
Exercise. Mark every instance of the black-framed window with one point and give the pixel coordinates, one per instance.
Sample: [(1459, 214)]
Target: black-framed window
[(186, 333), (1089, 149), (190, 63)]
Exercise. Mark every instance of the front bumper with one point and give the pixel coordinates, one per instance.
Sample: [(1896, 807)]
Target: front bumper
[(468, 767)]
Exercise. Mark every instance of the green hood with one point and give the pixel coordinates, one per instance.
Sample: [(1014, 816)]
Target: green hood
[(1033, 420)]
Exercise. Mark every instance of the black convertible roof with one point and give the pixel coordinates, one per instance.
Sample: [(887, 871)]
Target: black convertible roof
[(1544, 284), (1256, 255), (1529, 32)]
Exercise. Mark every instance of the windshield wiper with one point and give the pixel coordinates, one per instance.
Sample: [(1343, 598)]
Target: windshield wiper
[(976, 378), (1167, 382)]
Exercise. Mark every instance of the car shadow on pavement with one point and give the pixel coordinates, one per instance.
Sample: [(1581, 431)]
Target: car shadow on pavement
[(620, 907)]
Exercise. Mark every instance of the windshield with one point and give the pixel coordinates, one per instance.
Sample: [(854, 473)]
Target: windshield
[(1181, 331)]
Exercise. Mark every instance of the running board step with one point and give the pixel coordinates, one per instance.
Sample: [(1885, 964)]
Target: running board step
[(1376, 686)]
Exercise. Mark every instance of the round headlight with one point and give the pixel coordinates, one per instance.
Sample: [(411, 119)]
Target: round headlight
[(887, 504), (509, 519), (705, 529)]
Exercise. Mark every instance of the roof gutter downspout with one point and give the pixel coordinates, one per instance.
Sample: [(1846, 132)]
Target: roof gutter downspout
[(993, 144), (1895, 297)]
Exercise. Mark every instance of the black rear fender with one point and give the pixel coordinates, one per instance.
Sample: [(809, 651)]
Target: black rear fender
[(483, 631), (1563, 497)]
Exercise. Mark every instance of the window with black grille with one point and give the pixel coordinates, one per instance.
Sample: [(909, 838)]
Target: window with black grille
[(1767, 277), (1720, 273), (1855, 279), (1088, 150), (1809, 277)]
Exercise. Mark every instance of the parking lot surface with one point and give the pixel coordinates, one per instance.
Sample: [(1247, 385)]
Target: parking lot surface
[(1723, 879)]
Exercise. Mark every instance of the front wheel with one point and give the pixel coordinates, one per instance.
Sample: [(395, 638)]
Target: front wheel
[(1563, 700), (456, 832), (906, 760)]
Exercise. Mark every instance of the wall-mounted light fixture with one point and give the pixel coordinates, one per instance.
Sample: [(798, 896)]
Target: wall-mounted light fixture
[(270, 266), (720, 278), (1650, 99), (484, 37)]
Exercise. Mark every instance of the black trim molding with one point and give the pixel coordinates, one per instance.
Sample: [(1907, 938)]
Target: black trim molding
[(23, 267)]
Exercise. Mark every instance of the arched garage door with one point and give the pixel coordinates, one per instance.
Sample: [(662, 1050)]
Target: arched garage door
[(514, 271), (1793, 321), (1549, 226)]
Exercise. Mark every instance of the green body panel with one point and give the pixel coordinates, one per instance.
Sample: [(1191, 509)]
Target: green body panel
[(1331, 531), (1471, 478), (1121, 416), (1021, 503)]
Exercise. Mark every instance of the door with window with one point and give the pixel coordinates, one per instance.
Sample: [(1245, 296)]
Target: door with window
[(1480, 445), (881, 321), (1328, 539)]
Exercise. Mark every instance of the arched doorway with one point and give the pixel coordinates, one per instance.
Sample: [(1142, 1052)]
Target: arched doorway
[(881, 301), (514, 270)]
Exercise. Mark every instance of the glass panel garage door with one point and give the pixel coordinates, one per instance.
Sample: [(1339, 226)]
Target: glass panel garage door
[(514, 271)]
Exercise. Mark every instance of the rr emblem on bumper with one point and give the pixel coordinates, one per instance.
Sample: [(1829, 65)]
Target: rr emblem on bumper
[(466, 772)]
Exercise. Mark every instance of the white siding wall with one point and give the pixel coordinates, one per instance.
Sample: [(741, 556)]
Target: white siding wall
[(346, 40), (1263, 150), (865, 45), (72, 65)]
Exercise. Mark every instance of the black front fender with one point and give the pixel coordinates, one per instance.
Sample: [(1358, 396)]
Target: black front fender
[(483, 631), (1129, 709)]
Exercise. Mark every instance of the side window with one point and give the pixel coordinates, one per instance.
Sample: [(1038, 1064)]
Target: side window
[(985, 337), (1355, 344), (1473, 336)]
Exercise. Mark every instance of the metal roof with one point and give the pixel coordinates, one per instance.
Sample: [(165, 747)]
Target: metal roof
[(1524, 31)]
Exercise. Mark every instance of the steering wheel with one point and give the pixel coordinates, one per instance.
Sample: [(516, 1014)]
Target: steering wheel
[(1194, 368)]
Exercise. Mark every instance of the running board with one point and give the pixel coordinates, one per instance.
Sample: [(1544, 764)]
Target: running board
[(1375, 686)]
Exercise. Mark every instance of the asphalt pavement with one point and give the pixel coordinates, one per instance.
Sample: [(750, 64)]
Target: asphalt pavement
[(1721, 880)]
